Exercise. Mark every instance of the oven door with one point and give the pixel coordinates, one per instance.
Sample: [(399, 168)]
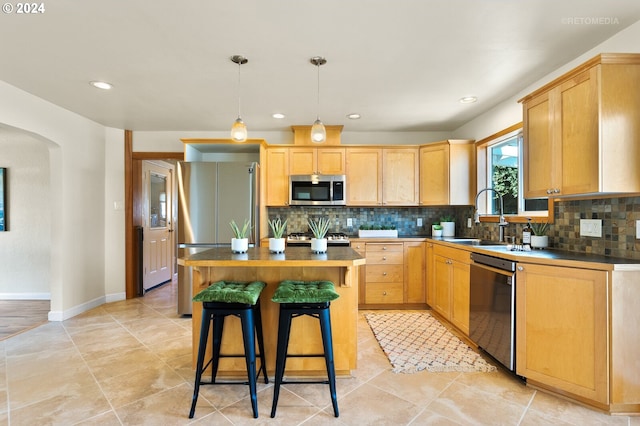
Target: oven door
[(492, 309)]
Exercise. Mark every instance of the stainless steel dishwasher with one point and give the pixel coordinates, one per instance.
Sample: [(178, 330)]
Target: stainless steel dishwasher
[(492, 307)]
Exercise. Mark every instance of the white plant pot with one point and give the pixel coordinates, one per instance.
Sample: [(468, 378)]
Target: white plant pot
[(377, 233), (436, 232), (276, 245), (448, 229), (239, 245), (539, 241), (319, 245)]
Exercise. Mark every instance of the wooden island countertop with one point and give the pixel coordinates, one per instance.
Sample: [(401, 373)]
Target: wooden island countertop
[(339, 265)]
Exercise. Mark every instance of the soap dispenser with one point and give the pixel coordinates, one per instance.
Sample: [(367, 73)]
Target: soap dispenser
[(526, 235)]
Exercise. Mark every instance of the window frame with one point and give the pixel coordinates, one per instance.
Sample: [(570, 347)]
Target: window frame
[(482, 176)]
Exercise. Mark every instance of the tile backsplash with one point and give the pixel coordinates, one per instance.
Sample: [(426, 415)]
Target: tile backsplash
[(618, 217)]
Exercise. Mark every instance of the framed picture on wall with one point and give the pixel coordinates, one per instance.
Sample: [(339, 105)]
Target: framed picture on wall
[(3, 199)]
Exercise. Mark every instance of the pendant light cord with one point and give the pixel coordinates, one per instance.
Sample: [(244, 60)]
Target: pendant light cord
[(318, 104), (239, 65)]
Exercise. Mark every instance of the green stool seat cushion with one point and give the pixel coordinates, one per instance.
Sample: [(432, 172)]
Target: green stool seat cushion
[(231, 292), (290, 291)]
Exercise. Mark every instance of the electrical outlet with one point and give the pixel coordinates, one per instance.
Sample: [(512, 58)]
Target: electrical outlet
[(469, 223), (638, 229), (591, 227), (349, 222), (419, 222)]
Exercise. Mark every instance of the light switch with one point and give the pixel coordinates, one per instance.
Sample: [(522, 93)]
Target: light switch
[(591, 227), (419, 222), (349, 222), (637, 229)]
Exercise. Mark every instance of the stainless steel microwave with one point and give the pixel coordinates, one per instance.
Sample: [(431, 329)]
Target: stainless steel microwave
[(317, 190)]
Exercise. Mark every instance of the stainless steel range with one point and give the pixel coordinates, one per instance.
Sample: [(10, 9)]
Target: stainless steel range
[(304, 239)]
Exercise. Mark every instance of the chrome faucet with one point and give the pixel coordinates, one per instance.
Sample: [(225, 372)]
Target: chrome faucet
[(502, 222)]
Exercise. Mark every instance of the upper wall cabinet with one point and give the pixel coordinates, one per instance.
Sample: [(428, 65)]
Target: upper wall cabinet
[(308, 160), (382, 176), (277, 177), (364, 176), (447, 173), (582, 130)]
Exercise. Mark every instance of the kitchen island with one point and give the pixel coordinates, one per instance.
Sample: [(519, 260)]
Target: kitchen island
[(339, 265)]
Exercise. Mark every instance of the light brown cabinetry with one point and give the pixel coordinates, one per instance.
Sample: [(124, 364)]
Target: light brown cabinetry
[(384, 273), (308, 160), (447, 173), (277, 176), (581, 131), (382, 176), (400, 176), (394, 275), (562, 316), (414, 272), (450, 285), (364, 176)]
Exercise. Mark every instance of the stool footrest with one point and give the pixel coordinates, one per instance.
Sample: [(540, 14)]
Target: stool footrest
[(305, 382)]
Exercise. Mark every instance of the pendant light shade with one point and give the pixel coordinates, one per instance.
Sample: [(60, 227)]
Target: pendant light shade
[(239, 129), (318, 132)]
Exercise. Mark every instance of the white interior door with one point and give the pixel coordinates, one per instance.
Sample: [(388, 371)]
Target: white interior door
[(158, 245)]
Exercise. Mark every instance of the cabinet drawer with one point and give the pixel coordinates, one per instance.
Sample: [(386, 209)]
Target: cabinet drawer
[(385, 247), (384, 273), (384, 258), (384, 293), (360, 248), (460, 255)]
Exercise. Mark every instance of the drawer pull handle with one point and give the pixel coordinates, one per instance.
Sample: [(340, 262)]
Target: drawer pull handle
[(384, 257), (384, 247), (384, 273), (384, 293)]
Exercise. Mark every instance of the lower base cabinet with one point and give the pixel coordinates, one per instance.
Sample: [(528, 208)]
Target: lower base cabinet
[(449, 282), (574, 335), (394, 276)]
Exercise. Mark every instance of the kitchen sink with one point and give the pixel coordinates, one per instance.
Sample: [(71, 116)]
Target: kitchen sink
[(474, 242)]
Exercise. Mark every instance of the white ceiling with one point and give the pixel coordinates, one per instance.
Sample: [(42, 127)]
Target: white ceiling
[(402, 64)]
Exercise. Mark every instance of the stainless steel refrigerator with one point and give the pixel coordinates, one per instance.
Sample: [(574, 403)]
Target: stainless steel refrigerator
[(210, 195)]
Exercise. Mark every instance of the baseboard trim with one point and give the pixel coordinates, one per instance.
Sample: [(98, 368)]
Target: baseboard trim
[(77, 310), (25, 296)]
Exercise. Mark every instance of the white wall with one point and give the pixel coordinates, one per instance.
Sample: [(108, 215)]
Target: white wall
[(114, 216), (509, 112), (77, 198), (25, 249)]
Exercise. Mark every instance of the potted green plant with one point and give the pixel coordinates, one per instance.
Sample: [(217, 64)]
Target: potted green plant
[(240, 242), (319, 230), (436, 230), (539, 239), (448, 223), (277, 242)]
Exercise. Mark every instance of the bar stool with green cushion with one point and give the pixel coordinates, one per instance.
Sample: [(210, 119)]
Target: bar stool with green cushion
[(219, 300), (298, 298)]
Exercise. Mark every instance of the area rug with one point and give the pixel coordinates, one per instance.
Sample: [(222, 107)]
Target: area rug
[(417, 341)]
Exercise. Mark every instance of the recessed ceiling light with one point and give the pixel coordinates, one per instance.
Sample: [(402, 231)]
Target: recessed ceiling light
[(101, 85), (277, 115), (353, 116), (468, 100)]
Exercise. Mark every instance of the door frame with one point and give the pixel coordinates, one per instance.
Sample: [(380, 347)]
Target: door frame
[(133, 204)]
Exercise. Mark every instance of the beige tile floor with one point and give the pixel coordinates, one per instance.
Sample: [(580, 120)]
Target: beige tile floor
[(129, 363)]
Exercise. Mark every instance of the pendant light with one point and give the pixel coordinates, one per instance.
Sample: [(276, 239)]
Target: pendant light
[(318, 132), (239, 129)]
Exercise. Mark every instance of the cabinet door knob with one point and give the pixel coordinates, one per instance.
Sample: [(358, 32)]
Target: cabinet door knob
[(384, 293), (384, 247), (384, 273), (384, 257), (556, 191), (549, 191), (520, 268)]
